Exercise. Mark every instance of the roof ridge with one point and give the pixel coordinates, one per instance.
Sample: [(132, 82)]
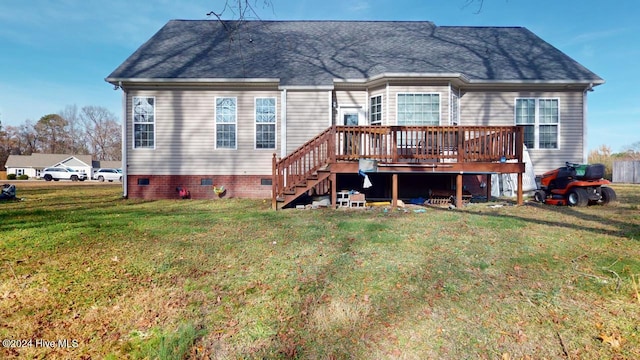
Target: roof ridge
[(308, 20)]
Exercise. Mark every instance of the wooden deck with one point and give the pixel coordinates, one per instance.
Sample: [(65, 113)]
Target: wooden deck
[(454, 150)]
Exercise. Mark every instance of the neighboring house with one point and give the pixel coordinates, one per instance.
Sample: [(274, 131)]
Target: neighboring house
[(32, 165), (208, 103)]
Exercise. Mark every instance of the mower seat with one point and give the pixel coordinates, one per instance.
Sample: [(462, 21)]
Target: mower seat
[(592, 172)]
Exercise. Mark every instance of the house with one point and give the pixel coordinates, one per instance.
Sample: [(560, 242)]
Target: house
[(32, 165), (209, 103)]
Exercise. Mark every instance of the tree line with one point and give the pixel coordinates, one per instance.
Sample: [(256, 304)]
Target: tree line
[(91, 130), (604, 155)]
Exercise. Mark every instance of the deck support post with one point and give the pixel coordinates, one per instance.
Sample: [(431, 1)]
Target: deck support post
[(394, 191), (520, 197), (488, 182), (274, 183), (334, 191), (459, 191)]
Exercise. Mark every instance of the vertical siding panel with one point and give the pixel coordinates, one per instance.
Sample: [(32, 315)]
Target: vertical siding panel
[(308, 115), (496, 108), (185, 135)]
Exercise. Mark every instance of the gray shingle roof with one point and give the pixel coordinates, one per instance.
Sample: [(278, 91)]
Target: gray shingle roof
[(317, 52), (38, 160)]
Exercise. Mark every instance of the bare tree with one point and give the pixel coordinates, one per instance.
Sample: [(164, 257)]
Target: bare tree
[(102, 131), (478, 3), (77, 140), (51, 132), (23, 139), (4, 148), (240, 9)]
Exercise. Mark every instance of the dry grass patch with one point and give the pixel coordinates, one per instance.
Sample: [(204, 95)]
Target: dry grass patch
[(232, 279)]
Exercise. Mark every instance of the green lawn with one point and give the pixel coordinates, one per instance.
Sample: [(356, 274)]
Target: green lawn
[(233, 279)]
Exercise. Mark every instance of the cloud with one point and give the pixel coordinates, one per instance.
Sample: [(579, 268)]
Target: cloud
[(359, 6), (595, 36)]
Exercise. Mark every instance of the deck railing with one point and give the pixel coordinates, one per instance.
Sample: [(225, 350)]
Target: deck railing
[(397, 144)]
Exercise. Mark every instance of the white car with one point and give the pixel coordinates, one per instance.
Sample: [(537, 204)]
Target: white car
[(62, 173), (108, 175)]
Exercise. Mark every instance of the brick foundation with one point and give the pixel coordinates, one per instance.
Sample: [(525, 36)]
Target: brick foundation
[(164, 186)]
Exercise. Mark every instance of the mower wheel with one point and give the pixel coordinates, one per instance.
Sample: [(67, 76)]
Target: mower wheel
[(608, 195), (539, 195), (578, 197)]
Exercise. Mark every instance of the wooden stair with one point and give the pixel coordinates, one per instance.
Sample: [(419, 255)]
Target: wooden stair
[(304, 187)]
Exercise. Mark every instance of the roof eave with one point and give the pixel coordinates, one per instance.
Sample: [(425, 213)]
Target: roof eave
[(190, 81), (586, 84)]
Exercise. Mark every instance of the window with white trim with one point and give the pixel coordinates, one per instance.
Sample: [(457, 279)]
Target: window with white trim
[(226, 119), (265, 123), (540, 118), (418, 109), (455, 108), (144, 116), (375, 110)]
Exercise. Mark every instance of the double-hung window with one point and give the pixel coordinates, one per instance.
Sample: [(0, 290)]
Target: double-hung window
[(418, 109), (455, 109), (226, 119), (540, 119), (144, 116), (375, 110), (265, 123)]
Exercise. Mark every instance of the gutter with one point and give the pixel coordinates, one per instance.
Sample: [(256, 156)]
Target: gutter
[(585, 155), (125, 181)]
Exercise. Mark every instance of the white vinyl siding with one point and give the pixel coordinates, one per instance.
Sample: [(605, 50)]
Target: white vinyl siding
[(144, 111), (265, 123), (185, 135), (482, 107), (308, 114), (226, 117)]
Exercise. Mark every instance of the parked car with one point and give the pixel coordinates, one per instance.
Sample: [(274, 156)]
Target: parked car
[(62, 173), (107, 174)]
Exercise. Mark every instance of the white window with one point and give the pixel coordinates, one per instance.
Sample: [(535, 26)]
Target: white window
[(455, 108), (418, 109), (144, 116), (541, 120), (375, 110), (226, 118), (265, 123)]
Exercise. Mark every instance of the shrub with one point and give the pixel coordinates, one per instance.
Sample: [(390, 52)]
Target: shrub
[(23, 177), (11, 176)]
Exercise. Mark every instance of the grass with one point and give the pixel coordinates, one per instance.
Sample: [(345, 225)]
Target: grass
[(232, 279)]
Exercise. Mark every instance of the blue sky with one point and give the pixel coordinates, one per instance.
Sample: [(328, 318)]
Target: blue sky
[(57, 53)]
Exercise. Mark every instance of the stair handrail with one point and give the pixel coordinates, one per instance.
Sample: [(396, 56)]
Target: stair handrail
[(303, 162)]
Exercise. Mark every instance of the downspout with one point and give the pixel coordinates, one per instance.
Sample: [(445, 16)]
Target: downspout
[(585, 156), (450, 106), (331, 109), (367, 109), (386, 105), (125, 182), (283, 123)]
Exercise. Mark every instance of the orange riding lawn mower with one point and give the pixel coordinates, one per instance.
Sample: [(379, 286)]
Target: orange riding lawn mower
[(575, 185)]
